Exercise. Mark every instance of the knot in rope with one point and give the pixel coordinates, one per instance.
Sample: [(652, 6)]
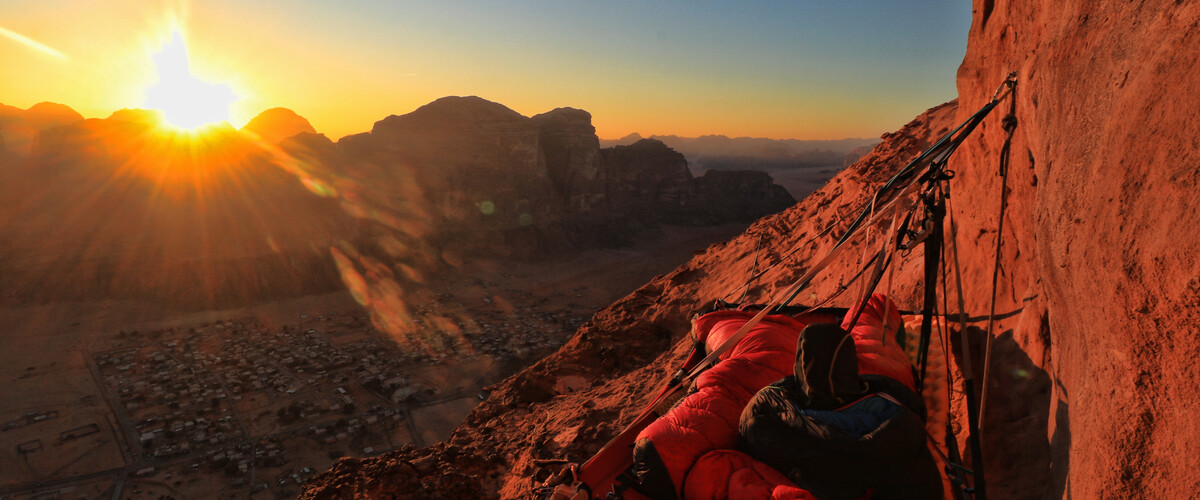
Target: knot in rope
[(1009, 123)]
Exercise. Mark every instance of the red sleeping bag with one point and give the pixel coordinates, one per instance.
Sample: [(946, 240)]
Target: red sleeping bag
[(692, 449)]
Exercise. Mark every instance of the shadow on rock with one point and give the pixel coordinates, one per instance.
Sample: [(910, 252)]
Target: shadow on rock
[(1017, 410)]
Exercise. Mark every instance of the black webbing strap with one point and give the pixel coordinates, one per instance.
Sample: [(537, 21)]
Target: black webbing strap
[(933, 254)]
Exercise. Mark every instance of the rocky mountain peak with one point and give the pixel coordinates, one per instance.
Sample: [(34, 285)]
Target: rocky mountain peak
[(451, 112), (63, 113), (52, 114), (276, 124), (566, 116)]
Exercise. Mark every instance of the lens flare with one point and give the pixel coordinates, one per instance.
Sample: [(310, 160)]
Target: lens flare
[(33, 44), (186, 101)]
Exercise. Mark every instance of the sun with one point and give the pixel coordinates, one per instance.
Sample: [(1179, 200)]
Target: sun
[(186, 101)]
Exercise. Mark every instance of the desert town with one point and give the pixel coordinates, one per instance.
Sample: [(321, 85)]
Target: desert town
[(237, 408)]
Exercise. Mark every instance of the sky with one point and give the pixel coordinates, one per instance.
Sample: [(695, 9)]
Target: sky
[(780, 69)]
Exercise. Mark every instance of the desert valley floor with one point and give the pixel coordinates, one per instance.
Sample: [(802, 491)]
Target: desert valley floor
[(114, 399)]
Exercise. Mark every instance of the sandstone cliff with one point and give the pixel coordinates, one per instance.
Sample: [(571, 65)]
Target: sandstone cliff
[(1101, 243), (485, 180), (648, 175), (572, 153), (1095, 357)]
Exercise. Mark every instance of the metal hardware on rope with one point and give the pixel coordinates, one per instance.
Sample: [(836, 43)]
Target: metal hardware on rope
[(1007, 86)]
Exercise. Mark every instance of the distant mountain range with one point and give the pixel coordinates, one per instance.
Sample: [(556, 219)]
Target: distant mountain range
[(122, 208), (20, 127), (498, 181), (720, 152), (800, 166)]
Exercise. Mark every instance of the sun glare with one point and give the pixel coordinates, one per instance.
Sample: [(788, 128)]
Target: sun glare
[(186, 101)]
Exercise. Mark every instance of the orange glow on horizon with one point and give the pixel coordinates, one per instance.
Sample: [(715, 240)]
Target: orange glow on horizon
[(184, 163)]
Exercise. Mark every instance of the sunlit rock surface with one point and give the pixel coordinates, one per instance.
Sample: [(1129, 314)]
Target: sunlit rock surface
[(1095, 354)]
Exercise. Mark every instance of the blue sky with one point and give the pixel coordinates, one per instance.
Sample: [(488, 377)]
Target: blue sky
[(797, 69)]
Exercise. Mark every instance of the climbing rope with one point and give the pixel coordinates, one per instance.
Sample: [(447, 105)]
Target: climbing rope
[(781, 260), (954, 468), (753, 268), (1010, 125), (790, 292), (968, 381), (927, 165), (968, 373)]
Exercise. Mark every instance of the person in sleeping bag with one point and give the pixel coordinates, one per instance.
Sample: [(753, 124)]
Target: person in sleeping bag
[(839, 434)]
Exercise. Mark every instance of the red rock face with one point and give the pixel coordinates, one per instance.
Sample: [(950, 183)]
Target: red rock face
[(1090, 390), (1101, 239)]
